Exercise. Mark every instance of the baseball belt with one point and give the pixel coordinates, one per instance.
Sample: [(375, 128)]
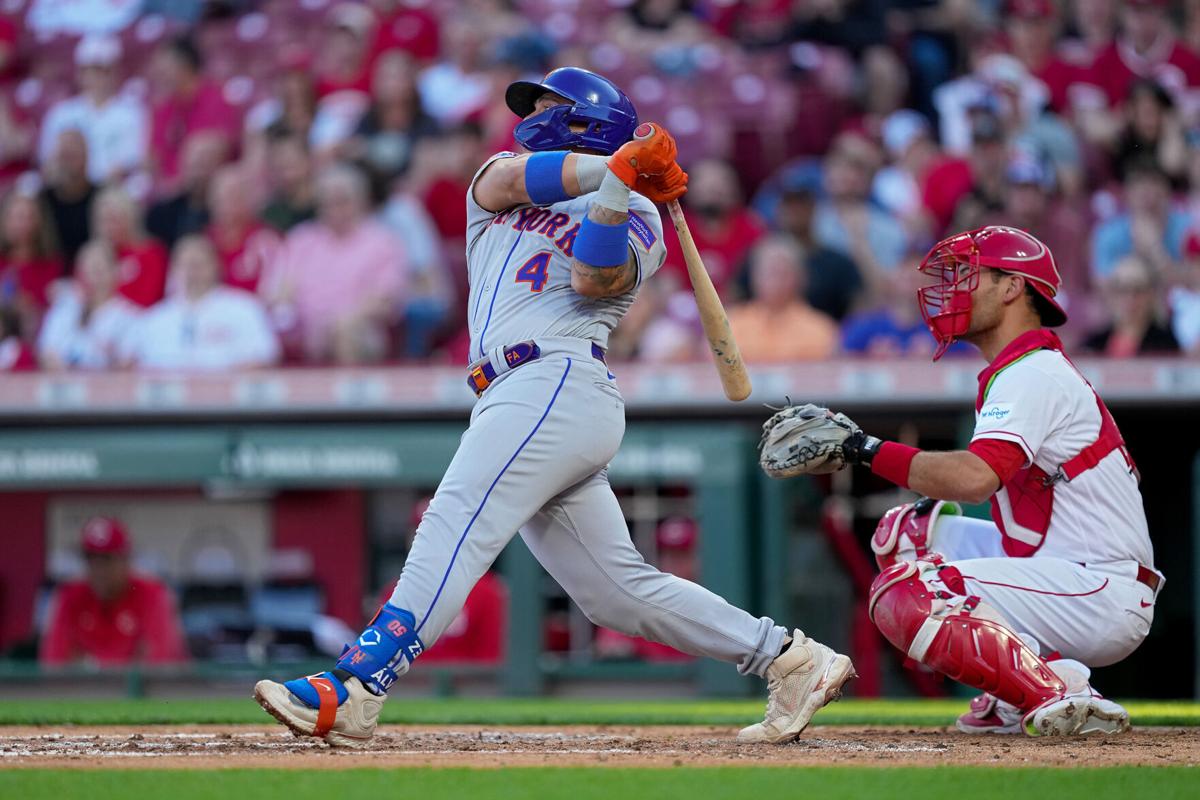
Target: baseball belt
[(482, 374)]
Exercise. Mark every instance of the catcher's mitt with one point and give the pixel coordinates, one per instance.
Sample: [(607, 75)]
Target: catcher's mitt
[(804, 440)]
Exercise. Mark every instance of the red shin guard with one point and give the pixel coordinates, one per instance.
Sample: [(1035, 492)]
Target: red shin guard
[(960, 637)]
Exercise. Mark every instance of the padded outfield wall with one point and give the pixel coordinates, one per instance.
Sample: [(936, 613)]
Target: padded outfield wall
[(326, 462)]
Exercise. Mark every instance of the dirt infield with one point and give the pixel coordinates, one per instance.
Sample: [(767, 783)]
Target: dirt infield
[(219, 746)]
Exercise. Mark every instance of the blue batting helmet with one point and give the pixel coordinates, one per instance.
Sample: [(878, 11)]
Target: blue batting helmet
[(596, 102)]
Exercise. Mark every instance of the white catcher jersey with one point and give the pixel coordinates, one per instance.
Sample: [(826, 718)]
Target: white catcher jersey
[(1042, 404), (519, 268)]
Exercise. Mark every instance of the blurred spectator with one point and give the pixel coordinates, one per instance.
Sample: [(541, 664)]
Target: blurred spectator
[(244, 245), (1139, 322), (441, 175), (834, 283), (1094, 25), (1151, 128), (1002, 88), (429, 296), (1033, 27), (190, 104), (297, 100), (885, 87), (88, 319), (1151, 226), (114, 125), (457, 86), (386, 135), (186, 211), (407, 26), (142, 261), (343, 63), (15, 353), (893, 326), (672, 334), (724, 229), (340, 315), (900, 187), (1146, 48), (293, 199), (846, 221), (1190, 32), (68, 192), (203, 325), (850, 25), (660, 30), (776, 324), (113, 617), (29, 257), (1184, 298), (50, 17), (675, 541), (985, 164), (343, 75), (1031, 204), (288, 110), (16, 132)]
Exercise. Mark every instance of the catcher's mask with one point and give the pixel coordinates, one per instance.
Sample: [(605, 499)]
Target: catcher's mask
[(956, 262)]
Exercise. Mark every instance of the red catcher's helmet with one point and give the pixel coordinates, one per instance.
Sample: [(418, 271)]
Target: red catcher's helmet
[(956, 263)]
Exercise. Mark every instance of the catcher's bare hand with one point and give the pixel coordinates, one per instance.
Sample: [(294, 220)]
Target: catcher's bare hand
[(808, 440)]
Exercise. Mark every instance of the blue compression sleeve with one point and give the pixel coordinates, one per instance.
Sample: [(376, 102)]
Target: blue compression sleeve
[(601, 245), (543, 178)]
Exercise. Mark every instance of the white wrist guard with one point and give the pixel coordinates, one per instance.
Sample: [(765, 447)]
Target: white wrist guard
[(590, 172), (613, 194)]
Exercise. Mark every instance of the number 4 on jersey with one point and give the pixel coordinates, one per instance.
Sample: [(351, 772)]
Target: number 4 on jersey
[(535, 272)]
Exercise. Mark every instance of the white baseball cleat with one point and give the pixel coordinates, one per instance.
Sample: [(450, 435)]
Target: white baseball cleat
[(349, 724), (1077, 715), (990, 714), (801, 681)]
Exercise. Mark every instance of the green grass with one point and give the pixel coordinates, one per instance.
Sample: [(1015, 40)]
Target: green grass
[(492, 711), (715, 783)]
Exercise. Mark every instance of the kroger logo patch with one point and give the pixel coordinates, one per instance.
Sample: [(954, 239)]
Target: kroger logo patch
[(994, 413)]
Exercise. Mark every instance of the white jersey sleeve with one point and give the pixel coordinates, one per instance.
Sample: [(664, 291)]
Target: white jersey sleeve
[(1024, 405), (645, 236), (478, 217)]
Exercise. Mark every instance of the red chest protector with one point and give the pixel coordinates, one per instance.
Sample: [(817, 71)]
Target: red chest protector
[(1022, 511)]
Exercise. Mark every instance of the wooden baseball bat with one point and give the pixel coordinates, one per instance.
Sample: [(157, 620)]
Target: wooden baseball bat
[(730, 366)]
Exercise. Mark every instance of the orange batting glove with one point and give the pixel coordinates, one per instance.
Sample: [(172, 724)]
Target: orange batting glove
[(670, 185), (650, 153)]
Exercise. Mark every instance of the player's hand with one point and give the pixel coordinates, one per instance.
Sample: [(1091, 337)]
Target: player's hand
[(650, 153), (671, 185)]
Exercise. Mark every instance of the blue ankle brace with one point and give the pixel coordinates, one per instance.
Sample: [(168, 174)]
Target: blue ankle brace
[(384, 650), (308, 693)]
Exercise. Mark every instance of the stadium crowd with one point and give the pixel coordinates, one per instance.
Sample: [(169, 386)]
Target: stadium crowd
[(192, 184)]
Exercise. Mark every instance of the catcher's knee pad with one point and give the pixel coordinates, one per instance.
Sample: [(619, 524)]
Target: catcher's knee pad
[(958, 635), (384, 651), (905, 532)]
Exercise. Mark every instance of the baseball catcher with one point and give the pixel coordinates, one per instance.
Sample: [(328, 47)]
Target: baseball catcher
[(1063, 578)]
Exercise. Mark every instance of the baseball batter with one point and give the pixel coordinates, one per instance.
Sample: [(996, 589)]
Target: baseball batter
[(1063, 579), (559, 241)]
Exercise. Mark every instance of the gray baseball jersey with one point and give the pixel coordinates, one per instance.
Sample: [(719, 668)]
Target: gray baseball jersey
[(519, 267), (535, 456)]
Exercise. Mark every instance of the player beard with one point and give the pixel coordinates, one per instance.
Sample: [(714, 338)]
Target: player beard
[(986, 316)]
